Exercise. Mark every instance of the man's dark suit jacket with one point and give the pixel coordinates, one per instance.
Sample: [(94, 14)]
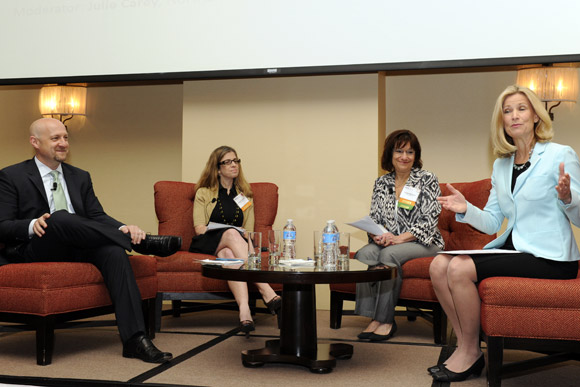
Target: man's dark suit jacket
[(23, 198)]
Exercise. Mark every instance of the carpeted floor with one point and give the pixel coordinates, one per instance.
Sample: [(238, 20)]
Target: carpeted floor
[(206, 350)]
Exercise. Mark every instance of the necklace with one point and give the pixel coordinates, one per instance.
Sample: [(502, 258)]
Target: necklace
[(231, 222), (519, 167)]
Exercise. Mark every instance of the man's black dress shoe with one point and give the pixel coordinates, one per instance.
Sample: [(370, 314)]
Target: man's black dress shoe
[(375, 337), (160, 245), (141, 347), (444, 375)]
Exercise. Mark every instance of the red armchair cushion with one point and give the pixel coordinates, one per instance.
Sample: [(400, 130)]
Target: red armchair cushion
[(174, 209), (46, 288), (530, 308)]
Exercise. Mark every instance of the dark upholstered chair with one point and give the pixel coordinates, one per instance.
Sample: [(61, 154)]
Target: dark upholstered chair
[(45, 294), (180, 274), (529, 314), (417, 291)]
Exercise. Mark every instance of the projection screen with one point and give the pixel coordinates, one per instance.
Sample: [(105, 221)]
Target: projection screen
[(100, 40)]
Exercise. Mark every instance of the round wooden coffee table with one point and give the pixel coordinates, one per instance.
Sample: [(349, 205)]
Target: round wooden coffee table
[(298, 343)]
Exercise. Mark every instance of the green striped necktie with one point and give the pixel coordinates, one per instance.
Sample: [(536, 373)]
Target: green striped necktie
[(58, 193)]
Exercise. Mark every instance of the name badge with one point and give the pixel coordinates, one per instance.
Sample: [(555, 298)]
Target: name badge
[(408, 197), (242, 202)]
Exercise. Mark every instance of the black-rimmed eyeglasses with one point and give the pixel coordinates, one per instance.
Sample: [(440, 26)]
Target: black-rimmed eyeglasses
[(229, 161)]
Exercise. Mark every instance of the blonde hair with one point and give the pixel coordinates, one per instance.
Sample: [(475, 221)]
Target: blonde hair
[(210, 178), (503, 145)]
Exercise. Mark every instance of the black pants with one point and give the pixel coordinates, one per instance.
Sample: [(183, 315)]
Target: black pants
[(72, 238)]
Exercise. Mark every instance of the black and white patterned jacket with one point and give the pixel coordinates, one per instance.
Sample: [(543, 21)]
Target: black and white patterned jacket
[(421, 220)]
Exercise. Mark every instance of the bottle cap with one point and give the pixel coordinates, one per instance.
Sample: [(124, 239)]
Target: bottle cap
[(289, 220)]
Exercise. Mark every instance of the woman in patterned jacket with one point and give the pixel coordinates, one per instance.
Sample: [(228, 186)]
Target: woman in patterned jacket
[(404, 203)]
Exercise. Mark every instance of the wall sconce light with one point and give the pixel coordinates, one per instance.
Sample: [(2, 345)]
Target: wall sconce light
[(551, 84), (63, 102)]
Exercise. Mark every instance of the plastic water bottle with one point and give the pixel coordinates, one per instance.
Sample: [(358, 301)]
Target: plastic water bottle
[(289, 241), (329, 246)]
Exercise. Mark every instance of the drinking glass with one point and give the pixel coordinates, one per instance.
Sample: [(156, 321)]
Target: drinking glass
[(318, 248), (343, 251), (254, 250), (274, 246)]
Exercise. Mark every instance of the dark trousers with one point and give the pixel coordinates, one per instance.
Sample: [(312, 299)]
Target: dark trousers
[(72, 238)]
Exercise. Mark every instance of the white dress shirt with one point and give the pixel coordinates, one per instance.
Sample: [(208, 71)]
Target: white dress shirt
[(47, 181)]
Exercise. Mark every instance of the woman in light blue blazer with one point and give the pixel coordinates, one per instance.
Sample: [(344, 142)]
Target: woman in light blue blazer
[(536, 186)]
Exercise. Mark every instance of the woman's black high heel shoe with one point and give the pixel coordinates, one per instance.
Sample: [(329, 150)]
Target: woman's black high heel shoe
[(435, 368), (375, 337), (365, 335), (444, 375), (274, 306), (246, 327)]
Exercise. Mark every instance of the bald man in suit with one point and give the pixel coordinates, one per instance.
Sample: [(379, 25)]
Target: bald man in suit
[(35, 229)]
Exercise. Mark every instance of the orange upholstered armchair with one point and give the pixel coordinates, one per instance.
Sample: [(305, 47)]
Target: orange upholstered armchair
[(179, 275), (45, 294), (531, 314), (417, 292)]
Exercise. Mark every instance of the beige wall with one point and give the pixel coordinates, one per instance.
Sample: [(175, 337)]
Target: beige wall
[(316, 137), (450, 113), (18, 108)]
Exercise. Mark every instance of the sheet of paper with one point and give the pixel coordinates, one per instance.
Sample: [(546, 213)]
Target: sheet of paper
[(368, 225), (475, 252), (220, 262), (296, 262), (217, 226)]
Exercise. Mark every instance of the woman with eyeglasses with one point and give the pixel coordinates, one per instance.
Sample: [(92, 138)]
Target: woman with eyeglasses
[(404, 202), (224, 196)]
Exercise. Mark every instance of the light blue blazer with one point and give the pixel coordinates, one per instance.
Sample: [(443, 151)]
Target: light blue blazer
[(538, 220)]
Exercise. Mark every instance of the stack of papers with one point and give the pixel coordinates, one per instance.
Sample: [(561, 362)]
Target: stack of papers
[(221, 261), (296, 262)]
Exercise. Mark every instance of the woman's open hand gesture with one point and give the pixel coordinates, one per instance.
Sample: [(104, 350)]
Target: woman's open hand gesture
[(563, 186), (454, 202)]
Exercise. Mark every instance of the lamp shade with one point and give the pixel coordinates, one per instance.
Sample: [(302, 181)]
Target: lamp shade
[(63, 100), (550, 83)]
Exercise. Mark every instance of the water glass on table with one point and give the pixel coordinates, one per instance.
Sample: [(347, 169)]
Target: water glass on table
[(318, 248), (343, 251), (274, 246), (254, 250)]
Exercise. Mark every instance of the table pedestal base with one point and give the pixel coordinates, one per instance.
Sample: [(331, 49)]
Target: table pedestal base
[(298, 342), (321, 363)]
